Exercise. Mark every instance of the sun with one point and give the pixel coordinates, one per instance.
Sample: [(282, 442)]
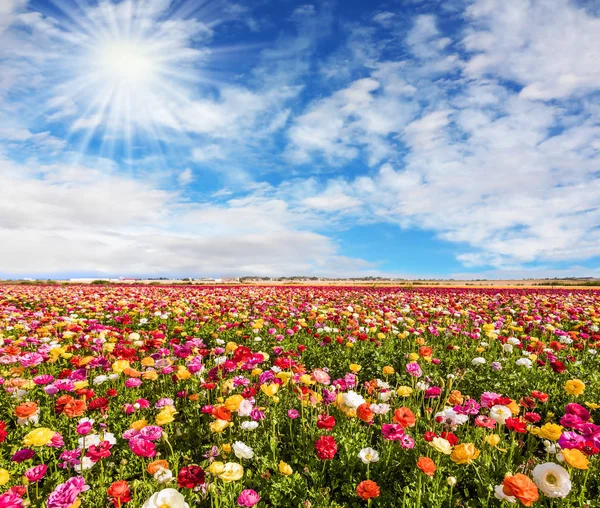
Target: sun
[(125, 63)]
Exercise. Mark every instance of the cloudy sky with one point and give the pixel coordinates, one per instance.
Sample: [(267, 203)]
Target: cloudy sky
[(274, 137)]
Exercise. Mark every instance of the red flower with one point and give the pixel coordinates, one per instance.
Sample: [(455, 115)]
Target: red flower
[(190, 477), (532, 417), (119, 493), (3, 432), (558, 366), (541, 396), (326, 422), (101, 403), (326, 447), (367, 489), (111, 392), (516, 425), (428, 436), (450, 437), (100, 451)]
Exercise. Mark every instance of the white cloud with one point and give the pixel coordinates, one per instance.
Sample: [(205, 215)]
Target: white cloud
[(97, 221), (549, 47)]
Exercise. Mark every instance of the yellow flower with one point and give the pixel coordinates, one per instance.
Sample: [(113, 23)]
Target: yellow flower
[(233, 403), (413, 357), (492, 439), (420, 341), (4, 476), (138, 424), (388, 370), (257, 372), (148, 361), (120, 365), (306, 379), (284, 376), (574, 387), (231, 472), (150, 375), (575, 458), (182, 373), (80, 384), (592, 405), (216, 468), (404, 391), (285, 469), (350, 344), (464, 453), (441, 445), (355, 367), (166, 415), (551, 431), (226, 448), (514, 408), (381, 335), (218, 425), (39, 437), (269, 389), (231, 346)]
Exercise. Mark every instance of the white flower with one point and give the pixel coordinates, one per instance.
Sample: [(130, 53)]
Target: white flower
[(250, 425), (508, 348), (166, 497), (380, 409), (550, 447), (451, 481), (385, 396), (514, 341), (553, 480), (592, 351), (163, 475), (368, 455), (86, 463), (89, 440), (353, 399), (242, 451), (113, 377), (98, 380), (220, 342), (478, 361), (499, 494), (245, 408), (524, 362), (451, 417), (500, 413)]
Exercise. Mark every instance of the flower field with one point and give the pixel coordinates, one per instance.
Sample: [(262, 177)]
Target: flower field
[(161, 397)]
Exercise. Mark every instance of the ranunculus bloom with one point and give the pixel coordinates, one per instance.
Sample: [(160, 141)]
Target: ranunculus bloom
[(364, 413), (520, 487), (575, 458), (190, 477), (119, 493), (36, 473), (326, 447), (405, 417), (166, 497), (392, 431), (426, 465), (553, 480), (326, 422), (248, 498), (367, 489), (464, 453)]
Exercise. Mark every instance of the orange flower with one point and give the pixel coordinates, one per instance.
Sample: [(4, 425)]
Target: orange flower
[(456, 398), (364, 413), (61, 402), (367, 489), (521, 487), (26, 409), (75, 408), (425, 351), (153, 467), (426, 465), (405, 417), (222, 413), (132, 372)]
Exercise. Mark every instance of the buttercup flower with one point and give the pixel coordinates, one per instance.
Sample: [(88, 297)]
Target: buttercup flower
[(166, 497), (553, 480)]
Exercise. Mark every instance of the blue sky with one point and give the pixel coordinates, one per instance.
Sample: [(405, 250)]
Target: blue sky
[(405, 138)]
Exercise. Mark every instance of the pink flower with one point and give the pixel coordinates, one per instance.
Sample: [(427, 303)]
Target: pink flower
[(84, 428), (320, 376), (36, 473), (133, 383), (57, 441), (142, 447), (293, 414), (248, 498), (65, 494), (43, 379), (414, 369), (151, 432), (392, 431), (11, 500)]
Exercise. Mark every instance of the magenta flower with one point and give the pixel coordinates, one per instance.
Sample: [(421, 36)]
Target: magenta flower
[(248, 498), (293, 414), (84, 428), (65, 494), (414, 369), (133, 383), (11, 499), (22, 455), (151, 432), (36, 473), (392, 431), (142, 447)]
